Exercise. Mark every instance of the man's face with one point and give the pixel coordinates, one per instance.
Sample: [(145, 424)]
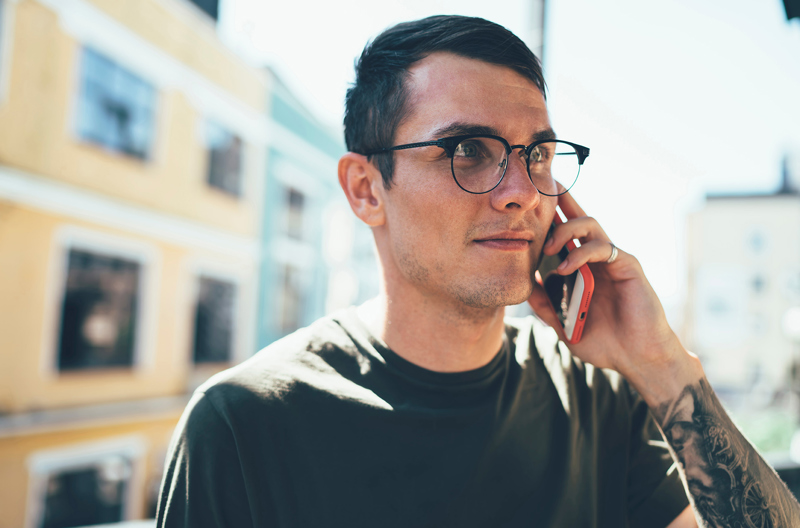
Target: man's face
[(477, 250)]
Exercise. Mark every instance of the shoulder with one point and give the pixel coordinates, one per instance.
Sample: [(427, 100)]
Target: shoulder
[(275, 374)]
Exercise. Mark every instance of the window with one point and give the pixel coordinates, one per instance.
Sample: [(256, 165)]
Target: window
[(294, 213), (85, 495), (224, 159), (86, 484), (98, 316), (291, 300), (213, 323), (116, 108)]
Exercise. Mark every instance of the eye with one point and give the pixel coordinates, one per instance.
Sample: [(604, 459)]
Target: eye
[(468, 149), (537, 154)]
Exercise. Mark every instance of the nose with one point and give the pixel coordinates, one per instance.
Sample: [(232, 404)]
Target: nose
[(516, 191)]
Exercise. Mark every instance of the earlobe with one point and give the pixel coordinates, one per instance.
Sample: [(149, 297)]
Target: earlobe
[(362, 184)]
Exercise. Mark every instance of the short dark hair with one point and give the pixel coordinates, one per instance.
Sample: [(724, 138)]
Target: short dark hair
[(375, 104)]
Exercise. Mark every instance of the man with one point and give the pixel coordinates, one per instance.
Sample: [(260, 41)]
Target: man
[(424, 407)]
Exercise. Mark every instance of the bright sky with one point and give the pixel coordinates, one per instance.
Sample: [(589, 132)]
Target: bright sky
[(675, 98)]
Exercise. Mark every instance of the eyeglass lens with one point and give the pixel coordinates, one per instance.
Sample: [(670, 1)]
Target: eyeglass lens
[(479, 163)]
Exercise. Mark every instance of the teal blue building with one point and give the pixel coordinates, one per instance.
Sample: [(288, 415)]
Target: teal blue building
[(316, 255)]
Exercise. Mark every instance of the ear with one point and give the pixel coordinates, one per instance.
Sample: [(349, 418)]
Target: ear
[(363, 185)]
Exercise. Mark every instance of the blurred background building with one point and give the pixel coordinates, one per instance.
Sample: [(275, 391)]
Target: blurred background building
[(132, 154), (317, 257), (165, 210), (743, 305)]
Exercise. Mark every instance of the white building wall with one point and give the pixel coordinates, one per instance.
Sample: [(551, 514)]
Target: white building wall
[(744, 276)]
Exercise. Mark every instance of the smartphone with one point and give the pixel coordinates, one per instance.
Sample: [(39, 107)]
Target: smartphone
[(569, 295)]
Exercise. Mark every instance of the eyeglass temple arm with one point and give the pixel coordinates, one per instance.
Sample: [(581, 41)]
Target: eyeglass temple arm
[(438, 143)]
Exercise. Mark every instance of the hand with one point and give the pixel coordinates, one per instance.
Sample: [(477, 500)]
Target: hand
[(626, 328)]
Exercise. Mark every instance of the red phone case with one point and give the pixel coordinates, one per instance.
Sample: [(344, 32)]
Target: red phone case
[(586, 297)]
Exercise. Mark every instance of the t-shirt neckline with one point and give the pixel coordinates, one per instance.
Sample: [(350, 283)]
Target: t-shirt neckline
[(465, 379)]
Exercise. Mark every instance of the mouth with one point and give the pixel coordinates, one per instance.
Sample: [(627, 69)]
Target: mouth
[(506, 241)]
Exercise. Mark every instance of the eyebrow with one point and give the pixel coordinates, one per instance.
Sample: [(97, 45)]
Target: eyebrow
[(547, 133), (461, 128)]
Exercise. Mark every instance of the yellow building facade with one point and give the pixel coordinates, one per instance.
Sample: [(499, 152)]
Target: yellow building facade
[(132, 154)]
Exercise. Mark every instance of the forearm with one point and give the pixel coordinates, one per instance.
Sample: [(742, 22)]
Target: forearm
[(730, 484)]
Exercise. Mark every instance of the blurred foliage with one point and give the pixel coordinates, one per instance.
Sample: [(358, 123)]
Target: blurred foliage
[(770, 429)]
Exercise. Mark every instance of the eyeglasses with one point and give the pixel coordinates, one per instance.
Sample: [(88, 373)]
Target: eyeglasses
[(479, 161)]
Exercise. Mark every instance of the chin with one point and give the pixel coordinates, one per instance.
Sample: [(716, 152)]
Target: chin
[(494, 294)]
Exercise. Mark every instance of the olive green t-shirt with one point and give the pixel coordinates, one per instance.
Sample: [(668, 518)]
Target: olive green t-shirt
[(328, 427)]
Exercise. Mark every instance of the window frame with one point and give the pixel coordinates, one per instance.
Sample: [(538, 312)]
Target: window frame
[(244, 311), (153, 151), (288, 220), (235, 312), (44, 463), (207, 122), (70, 237), (288, 174)]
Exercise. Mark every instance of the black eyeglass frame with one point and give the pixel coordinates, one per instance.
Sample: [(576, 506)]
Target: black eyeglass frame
[(449, 145)]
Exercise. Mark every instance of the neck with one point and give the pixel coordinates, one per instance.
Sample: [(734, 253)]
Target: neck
[(434, 335)]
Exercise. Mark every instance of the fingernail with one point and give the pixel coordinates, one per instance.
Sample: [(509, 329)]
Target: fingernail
[(562, 266), (549, 242)]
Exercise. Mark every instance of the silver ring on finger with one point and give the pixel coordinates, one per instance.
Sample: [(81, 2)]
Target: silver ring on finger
[(614, 253)]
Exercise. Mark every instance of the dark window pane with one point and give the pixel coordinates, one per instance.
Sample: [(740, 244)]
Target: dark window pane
[(213, 323), (294, 213), (86, 496), (224, 159), (98, 317), (210, 7), (116, 108)]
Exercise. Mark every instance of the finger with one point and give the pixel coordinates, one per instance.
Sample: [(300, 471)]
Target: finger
[(584, 229), (569, 206), (592, 251), (541, 306)]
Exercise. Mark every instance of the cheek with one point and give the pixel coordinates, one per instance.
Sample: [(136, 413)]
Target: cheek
[(425, 211), (423, 226)]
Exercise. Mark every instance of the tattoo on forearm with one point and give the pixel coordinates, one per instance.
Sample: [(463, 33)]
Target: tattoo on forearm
[(730, 483)]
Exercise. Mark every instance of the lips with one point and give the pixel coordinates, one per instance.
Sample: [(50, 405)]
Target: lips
[(506, 240), (507, 235)]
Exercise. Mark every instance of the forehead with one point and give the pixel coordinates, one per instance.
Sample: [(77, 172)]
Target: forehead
[(445, 88)]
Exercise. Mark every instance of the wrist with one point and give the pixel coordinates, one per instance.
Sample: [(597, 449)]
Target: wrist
[(664, 379)]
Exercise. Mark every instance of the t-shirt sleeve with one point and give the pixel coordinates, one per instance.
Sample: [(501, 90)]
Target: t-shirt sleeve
[(203, 485), (656, 495)]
